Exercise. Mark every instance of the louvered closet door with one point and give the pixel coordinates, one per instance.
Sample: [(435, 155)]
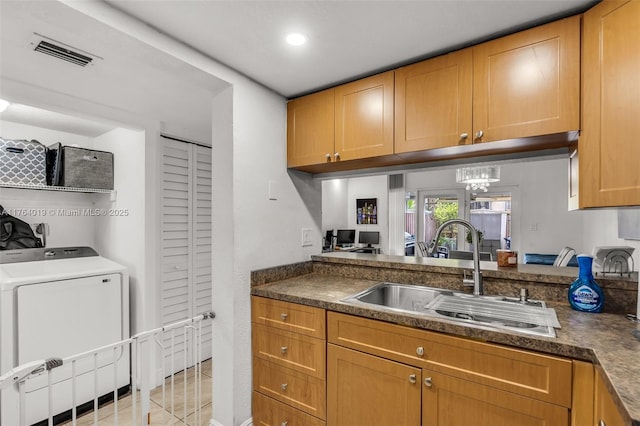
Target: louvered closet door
[(201, 249), (186, 244)]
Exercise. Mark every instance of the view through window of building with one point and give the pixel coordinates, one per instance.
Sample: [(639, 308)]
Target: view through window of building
[(489, 212), (491, 215)]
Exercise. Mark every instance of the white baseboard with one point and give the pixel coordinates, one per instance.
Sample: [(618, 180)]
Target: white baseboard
[(248, 422)]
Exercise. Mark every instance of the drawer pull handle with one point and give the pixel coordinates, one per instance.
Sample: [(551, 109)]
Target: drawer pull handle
[(283, 350), (412, 378), (427, 382), (283, 316), (420, 351), (283, 386)]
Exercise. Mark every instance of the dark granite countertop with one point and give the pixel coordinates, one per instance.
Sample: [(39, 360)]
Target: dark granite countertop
[(524, 272), (606, 340)]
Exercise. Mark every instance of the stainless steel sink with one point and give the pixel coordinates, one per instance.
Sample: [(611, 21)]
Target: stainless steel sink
[(400, 297), (492, 312), (498, 313)]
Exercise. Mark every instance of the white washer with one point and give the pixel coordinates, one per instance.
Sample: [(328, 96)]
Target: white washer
[(57, 302)]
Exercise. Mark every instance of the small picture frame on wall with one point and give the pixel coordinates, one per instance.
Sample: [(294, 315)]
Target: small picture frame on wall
[(367, 211)]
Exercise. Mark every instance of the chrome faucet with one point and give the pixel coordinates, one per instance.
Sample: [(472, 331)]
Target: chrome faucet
[(478, 288)]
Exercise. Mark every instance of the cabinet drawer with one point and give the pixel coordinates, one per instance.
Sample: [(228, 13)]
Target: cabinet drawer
[(301, 353), (269, 412), (301, 319), (543, 377), (290, 387)]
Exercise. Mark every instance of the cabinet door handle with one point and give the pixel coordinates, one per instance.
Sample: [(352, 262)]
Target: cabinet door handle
[(420, 351), (327, 156), (602, 423), (284, 316), (464, 136), (412, 378), (479, 134), (283, 350), (427, 382), (283, 386), (336, 155), (285, 423)]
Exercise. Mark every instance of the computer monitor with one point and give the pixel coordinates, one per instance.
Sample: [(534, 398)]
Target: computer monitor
[(345, 237), (369, 237)]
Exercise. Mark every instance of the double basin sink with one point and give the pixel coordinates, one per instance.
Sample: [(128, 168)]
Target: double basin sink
[(489, 312)]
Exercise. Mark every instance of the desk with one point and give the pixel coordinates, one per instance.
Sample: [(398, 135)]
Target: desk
[(373, 250)]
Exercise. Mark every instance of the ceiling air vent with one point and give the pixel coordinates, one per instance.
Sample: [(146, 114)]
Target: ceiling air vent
[(62, 51)]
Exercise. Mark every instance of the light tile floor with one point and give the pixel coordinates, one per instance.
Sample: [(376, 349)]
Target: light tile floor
[(172, 413)]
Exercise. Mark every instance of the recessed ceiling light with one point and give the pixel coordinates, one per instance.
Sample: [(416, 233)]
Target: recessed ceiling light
[(296, 39)]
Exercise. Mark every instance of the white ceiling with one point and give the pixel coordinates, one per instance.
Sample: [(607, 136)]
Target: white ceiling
[(346, 39), (133, 78)]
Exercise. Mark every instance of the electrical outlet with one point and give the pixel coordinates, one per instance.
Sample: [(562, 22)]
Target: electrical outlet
[(306, 237), (534, 226)]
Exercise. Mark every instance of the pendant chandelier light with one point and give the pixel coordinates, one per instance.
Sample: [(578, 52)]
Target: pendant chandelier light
[(478, 178)]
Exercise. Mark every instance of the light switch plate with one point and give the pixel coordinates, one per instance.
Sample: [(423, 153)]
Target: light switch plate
[(306, 237)]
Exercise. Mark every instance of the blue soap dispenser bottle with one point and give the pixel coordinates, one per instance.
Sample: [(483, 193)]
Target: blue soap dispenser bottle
[(584, 293)]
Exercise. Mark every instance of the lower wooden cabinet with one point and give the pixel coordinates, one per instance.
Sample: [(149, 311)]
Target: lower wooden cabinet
[(387, 374), (538, 376), (269, 412), (449, 401), (605, 410), (367, 390), (289, 363), (370, 372)]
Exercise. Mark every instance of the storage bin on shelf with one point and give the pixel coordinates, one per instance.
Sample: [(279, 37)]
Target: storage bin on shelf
[(23, 162)]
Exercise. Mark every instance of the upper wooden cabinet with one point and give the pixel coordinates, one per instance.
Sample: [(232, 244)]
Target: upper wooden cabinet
[(522, 85), (364, 118), (609, 147), (433, 103), (310, 129), (348, 122), (528, 83)]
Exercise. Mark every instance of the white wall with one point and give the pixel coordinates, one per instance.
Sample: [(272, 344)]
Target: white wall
[(371, 187), (119, 232), (339, 205), (601, 229), (335, 204), (47, 137)]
